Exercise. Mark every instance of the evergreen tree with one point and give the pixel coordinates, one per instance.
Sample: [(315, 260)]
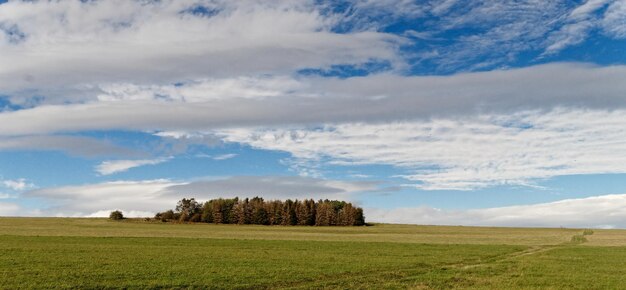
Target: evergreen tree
[(359, 217), (312, 212), (207, 212), (258, 211), (346, 216)]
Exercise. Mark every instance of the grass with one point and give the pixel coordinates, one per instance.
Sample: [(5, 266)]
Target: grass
[(377, 233), (97, 253)]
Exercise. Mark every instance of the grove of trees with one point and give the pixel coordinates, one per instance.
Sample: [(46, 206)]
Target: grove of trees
[(260, 212)]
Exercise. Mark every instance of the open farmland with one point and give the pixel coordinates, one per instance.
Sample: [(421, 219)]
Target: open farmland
[(98, 253)]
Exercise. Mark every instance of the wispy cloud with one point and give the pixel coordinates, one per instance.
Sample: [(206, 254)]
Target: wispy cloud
[(464, 153), (83, 200), (224, 156), (18, 184), (613, 22), (72, 145), (116, 166), (150, 196), (605, 211), (578, 24)]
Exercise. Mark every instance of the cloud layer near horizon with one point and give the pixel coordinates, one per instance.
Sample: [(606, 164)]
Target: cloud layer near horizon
[(144, 198), (151, 196), (606, 211)]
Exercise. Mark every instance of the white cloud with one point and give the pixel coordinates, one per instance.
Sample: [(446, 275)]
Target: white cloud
[(568, 35), (464, 153), (18, 184), (115, 166), (274, 187), (579, 23), (74, 145), (487, 34), (462, 103), (69, 44), (492, 34), (224, 156), (204, 90), (83, 200), (606, 211), (372, 98), (10, 209), (151, 196), (127, 214), (65, 41), (5, 195), (614, 23)]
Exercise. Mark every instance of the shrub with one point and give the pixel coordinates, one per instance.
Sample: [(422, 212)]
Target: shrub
[(166, 215), (116, 215), (578, 239)]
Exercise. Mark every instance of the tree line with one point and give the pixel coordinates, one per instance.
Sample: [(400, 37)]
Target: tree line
[(260, 212)]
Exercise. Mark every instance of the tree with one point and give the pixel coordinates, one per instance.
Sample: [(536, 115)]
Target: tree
[(305, 213), (261, 212), (346, 216), (312, 212), (275, 212), (289, 217), (187, 208), (238, 213), (325, 214), (166, 215), (207, 212), (116, 215), (260, 216), (359, 217)]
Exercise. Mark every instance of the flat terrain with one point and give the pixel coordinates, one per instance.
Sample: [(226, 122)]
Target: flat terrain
[(98, 253)]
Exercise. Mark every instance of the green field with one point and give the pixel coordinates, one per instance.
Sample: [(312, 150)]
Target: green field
[(97, 253)]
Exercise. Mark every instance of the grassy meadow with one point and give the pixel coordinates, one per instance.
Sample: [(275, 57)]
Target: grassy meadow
[(98, 253)]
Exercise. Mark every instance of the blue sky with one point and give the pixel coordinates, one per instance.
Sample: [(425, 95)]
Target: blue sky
[(432, 112)]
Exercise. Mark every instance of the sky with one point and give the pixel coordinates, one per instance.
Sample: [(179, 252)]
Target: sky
[(489, 113)]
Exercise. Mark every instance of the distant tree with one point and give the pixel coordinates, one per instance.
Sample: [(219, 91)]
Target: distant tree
[(258, 211), (289, 217), (207, 212), (226, 208), (312, 212), (325, 215), (275, 212), (196, 218), (187, 208), (359, 217), (238, 213), (346, 215), (246, 217), (116, 215), (166, 216), (260, 216), (218, 215), (305, 213)]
